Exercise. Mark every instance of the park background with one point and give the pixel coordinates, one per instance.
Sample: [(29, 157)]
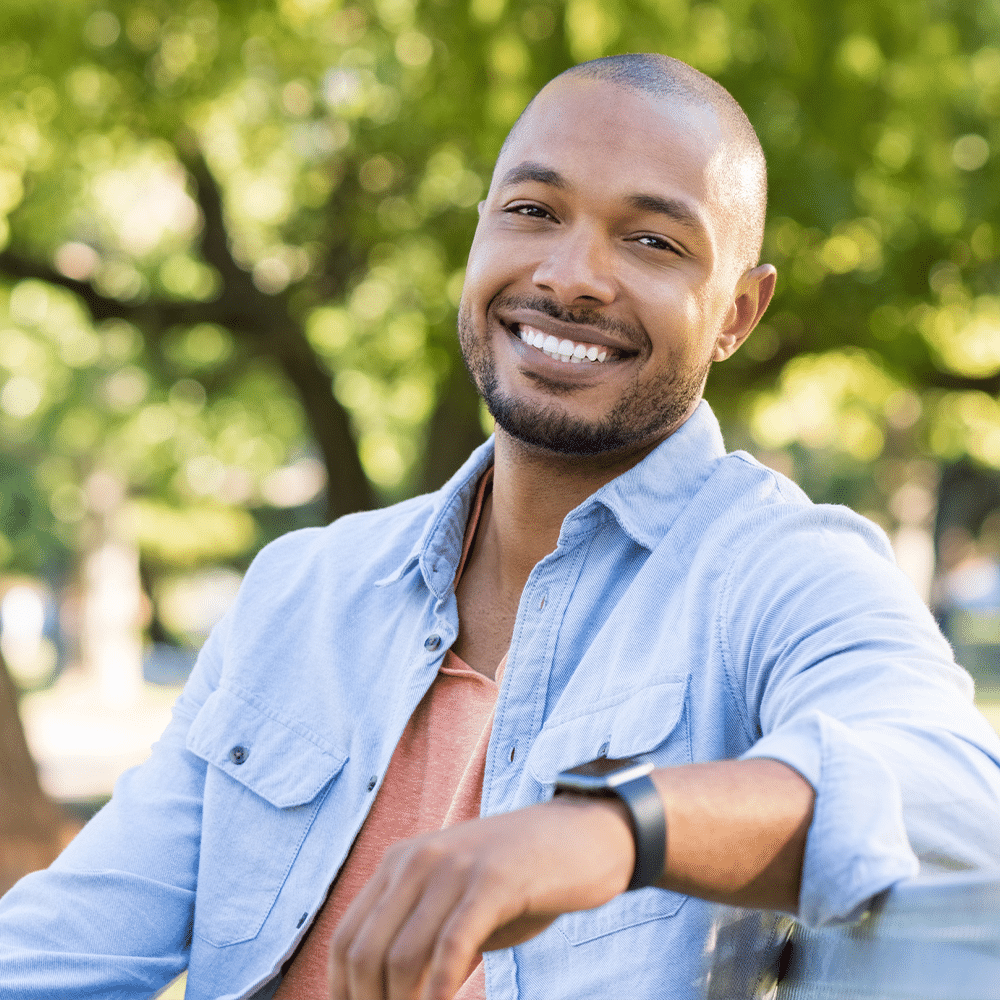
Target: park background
[(232, 239)]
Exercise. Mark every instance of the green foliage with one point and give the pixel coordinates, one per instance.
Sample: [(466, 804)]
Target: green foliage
[(233, 228)]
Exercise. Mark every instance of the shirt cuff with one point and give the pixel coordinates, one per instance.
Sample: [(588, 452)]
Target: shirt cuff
[(857, 844)]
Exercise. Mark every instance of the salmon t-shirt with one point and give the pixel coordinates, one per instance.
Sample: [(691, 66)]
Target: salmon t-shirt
[(434, 780)]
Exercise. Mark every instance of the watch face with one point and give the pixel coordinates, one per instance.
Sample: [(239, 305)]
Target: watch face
[(604, 772)]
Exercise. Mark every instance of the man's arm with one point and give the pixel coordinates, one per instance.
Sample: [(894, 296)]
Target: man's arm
[(736, 833), (113, 914)]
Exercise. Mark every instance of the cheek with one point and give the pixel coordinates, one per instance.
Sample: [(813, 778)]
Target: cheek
[(494, 262), (678, 315), (475, 285)]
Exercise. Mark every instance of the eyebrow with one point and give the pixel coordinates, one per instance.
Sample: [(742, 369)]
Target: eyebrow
[(672, 208), (530, 171)]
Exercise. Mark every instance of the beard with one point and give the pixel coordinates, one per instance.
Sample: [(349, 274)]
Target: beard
[(644, 413)]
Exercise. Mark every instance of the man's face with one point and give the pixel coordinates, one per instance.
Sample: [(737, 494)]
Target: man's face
[(602, 272)]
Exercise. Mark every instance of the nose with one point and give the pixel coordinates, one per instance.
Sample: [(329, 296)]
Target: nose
[(578, 267)]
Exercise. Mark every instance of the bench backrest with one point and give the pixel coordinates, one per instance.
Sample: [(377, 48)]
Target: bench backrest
[(935, 938)]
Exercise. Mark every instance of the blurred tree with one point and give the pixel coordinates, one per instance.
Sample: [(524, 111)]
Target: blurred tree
[(282, 193), (235, 235)]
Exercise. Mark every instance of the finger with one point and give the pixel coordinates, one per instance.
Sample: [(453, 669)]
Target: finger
[(410, 954), (461, 938), (355, 962), (346, 931), (385, 913)]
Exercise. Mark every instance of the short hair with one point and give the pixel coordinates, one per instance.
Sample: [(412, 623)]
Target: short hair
[(664, 76)]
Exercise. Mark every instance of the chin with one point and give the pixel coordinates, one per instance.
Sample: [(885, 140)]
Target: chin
[(551, 430), (641, 417)]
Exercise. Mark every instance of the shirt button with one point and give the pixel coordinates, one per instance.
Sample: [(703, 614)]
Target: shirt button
[(238, 754), (372, 782), (432, 642), (603, 749)]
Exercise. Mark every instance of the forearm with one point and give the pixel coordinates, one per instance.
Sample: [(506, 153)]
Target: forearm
[(736, 831)]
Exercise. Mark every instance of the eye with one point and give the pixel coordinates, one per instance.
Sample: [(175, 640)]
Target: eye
[(529, 210), (657, 243)]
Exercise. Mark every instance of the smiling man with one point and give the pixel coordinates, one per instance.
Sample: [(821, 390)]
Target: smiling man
[(733, 693), (622, 246)]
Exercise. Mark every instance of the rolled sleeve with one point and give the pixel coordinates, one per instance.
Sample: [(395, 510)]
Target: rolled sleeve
[(857, 843), (848, 681)]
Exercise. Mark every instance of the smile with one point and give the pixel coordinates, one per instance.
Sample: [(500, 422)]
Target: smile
[(562, 350)]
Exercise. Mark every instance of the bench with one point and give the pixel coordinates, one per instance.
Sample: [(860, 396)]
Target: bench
[(932, 938)]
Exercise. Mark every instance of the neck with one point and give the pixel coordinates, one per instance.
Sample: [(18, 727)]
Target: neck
[(533, 491)]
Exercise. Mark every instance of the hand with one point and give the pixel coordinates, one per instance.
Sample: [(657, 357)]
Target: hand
[(417, 928)]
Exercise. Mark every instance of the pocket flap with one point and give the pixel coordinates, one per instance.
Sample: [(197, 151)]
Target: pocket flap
[(280, 764), (638, 723)]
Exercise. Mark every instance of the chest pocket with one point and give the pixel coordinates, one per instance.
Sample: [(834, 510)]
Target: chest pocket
[(654, 722), (264, 785)]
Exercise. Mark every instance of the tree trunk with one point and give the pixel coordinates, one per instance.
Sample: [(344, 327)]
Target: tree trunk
[(33, 828), (454, 430)]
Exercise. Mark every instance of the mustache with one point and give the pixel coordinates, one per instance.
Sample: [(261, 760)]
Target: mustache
[(593, 318)]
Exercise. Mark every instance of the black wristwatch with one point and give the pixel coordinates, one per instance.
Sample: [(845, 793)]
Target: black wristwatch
[(627, 779)]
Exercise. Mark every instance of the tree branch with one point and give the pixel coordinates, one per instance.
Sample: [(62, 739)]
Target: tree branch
[(262, 323), (101, 306), (268, 321)]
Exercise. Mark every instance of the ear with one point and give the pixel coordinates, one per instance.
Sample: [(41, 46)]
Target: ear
[(753, 293)]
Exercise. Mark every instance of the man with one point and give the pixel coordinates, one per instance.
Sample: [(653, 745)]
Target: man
[(599, 582)]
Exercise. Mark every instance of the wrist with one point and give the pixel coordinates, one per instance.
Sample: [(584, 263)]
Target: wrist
[(609, 822), (627, 781)]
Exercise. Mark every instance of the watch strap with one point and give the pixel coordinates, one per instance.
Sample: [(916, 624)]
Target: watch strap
[(649, 828)]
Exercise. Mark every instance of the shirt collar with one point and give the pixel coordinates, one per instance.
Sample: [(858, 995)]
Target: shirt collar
[(439, 547), (644, 501)]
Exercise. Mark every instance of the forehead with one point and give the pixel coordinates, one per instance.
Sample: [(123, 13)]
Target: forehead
[(617, 140)]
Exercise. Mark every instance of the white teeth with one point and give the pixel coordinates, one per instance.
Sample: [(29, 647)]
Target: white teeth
[(561, 350)]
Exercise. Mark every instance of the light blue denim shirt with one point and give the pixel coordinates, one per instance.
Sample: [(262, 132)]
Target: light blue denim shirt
[(697, 608)]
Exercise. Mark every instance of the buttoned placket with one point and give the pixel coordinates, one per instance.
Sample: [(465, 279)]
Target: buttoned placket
[(521, 701)]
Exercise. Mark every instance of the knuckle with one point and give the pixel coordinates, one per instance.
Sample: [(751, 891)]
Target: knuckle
[(395, 852), (361, 960), (403, 962), (339, 943), (451, 944), (431, 852)]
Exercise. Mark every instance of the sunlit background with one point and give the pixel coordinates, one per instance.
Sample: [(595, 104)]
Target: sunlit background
[(233, 243)]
